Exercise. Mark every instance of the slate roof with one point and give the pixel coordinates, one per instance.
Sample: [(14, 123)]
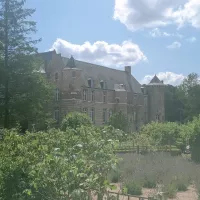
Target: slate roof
[(110, 76), (156, 81)]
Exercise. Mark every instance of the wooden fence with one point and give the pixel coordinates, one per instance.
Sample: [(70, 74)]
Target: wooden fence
[(129, 197), (118, 196)]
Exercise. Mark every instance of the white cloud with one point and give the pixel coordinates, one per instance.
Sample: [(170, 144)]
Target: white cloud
[(174, 45), (155, 13), (168, 78), (191, 39), (156, 32), (100, 52)]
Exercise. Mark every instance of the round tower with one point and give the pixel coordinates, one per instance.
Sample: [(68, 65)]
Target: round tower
[(156, 100)]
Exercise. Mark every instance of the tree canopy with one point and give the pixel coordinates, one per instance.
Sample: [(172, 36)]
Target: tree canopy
[(24, 90)]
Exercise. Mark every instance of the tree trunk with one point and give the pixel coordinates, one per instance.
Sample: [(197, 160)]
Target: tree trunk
[(6, 100)]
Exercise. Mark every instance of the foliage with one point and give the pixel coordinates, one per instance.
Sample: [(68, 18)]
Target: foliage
[(195, 139), (149, 183), (133, 188), (25, 90), (119, 121), (173, 106), (189, 95), (55, 164), (115, 175), (75, 120), (158, 134), (170, 190)]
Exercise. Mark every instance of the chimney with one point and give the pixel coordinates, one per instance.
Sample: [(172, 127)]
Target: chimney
[(128, 69)]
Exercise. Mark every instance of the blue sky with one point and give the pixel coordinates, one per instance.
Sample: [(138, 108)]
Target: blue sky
[(153, 36)]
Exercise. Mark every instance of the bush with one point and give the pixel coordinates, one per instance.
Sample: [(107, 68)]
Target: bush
[(115, 176), (134, 188), (51, 164), (176, 152), (75, 120), (149, 183), (170, 190), (181, 186)]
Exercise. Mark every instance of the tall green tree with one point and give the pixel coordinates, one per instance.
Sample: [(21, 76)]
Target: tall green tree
[(25, 89), (173, 105), (189, 95)]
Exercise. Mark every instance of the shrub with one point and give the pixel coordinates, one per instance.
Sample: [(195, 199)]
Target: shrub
[(51, 164), (170, 190), (149, 183), (115, 176), (176, 152), (181, 186), (134, 188), (75, 120)]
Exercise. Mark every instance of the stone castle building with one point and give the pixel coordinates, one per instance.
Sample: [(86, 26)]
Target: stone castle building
[(100, 91)]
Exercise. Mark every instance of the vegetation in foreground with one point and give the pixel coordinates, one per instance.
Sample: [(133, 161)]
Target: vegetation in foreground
[(57, 164), (161, 171)]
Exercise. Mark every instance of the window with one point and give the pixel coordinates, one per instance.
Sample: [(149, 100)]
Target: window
[(84, 95), (90, 83), (157, 117), (56, 115), (65, 113), (110, 113), (85, 110), (92, 117), (104, 97), (93, 96), (57, 94), (117, 100), (56, 76), (145, 101), (73, 74), (104, 115), (102, 84), (134, 116)]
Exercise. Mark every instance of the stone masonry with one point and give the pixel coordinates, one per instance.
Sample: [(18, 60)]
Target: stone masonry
[(100, 91)]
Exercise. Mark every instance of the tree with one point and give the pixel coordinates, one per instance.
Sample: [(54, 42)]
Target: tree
[(189, 95), (173, 106), (75, 120), (160, 134), (25, 89), (119, 121), (194, 128), (55, 164)]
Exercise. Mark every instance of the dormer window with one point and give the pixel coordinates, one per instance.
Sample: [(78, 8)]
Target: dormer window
[(90, 83), (102, 84)]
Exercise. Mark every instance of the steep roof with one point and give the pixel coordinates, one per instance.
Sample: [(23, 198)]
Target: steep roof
[(155, 81), (109, 75)]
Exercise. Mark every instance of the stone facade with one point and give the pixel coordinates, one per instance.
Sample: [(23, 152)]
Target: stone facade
[(100, 91)]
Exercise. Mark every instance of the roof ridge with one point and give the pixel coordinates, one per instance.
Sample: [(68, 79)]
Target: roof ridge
[(96, 65)]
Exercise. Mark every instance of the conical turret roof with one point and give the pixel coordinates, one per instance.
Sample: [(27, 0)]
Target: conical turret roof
[(156, 81)]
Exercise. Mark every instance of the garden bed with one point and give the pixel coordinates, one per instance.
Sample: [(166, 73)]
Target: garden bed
[(190, 194)]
